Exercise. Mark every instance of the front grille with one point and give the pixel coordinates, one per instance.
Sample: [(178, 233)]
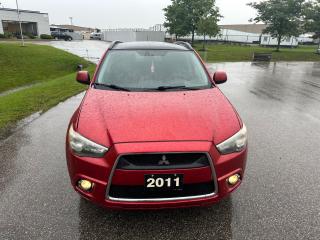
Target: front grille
[(163, 161), (139, 192)]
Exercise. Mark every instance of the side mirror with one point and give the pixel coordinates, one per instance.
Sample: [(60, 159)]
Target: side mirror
[(83, 77), (220, 77)]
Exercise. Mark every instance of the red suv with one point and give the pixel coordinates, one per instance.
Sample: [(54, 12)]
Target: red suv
[(154, 131)]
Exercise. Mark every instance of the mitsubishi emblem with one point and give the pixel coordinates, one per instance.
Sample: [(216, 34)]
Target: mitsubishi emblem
[(164, 161)]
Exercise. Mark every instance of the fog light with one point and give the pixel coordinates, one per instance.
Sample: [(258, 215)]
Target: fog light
[(85, 185), (234, 179)]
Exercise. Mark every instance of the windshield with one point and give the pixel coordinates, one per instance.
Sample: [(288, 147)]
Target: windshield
[(152, 70)]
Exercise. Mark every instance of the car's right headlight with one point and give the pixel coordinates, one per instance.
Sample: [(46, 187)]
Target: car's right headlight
[(236, 143), (84, 147)]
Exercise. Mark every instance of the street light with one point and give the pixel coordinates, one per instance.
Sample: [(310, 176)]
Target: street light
[(18, 12)]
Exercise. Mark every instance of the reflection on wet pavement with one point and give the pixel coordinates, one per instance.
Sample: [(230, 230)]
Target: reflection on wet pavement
[(279, 198), (90, 50), (296, 85)]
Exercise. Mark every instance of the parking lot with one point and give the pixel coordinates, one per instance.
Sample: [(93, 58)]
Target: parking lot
[(279, 198)]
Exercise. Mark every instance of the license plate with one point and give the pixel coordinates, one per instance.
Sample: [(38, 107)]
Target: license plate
[(163, 181)]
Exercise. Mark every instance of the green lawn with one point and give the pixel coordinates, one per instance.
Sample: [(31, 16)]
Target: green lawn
[(236, 53), (54, 72), (21, 66), (41, 97)]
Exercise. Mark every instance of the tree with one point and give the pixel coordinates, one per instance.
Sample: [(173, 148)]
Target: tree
[(312, 18), (207, 26), (284, 18), (183, 16), (176, 19)]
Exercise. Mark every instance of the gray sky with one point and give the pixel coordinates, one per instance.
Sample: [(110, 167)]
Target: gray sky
[(122, 13)]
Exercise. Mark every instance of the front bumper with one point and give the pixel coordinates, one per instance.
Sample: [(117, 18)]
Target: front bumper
[(100, 171)]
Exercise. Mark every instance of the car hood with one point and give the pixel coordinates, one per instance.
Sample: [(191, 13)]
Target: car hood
[(108, 117)]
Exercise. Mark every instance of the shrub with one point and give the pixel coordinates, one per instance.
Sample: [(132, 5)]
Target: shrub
[(46, 36), (7, 35), (2, 35)]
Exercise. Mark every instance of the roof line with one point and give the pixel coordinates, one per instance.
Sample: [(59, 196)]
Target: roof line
[(21, 10)]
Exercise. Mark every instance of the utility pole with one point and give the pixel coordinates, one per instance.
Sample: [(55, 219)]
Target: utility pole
[(71, 18), (18, 12)]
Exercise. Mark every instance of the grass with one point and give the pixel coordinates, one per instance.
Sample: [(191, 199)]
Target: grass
[(40, 97), (20, 66), (52, 69), (236, 53)]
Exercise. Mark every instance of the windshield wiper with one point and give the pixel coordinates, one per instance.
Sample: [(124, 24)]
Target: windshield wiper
[(112, 86), (164, 88)]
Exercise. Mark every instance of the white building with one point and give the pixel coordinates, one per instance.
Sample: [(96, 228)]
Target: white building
[(267, 40), (241, 33), (131, 35), (229, 35), (306, 38), (33, 22)]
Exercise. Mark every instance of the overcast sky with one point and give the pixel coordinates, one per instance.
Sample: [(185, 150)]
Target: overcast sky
[(122, 13)]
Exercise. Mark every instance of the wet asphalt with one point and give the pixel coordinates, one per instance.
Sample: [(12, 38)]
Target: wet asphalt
[(279, 198)]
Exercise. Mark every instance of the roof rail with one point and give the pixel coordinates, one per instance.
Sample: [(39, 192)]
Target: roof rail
[(113, 44), (184, 44)]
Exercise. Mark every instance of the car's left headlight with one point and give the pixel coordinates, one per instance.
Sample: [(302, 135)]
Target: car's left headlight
[(236, 143), (84, 147)]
